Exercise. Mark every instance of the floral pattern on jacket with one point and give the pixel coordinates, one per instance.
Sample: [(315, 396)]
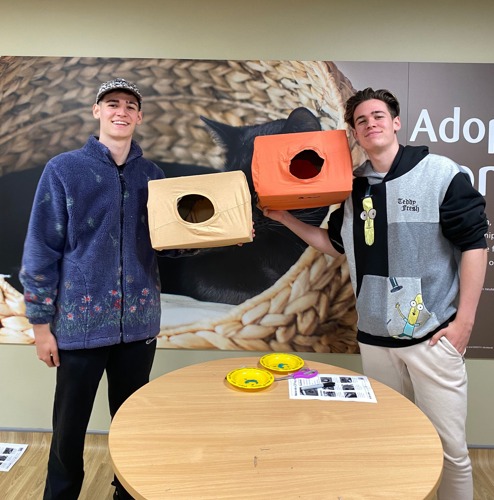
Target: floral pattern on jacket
[(88, 268)]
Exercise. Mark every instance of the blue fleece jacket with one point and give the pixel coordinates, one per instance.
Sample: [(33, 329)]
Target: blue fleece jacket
[(88, 268)]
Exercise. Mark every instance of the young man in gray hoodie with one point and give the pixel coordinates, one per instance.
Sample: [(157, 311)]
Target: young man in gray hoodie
[(413, 233)]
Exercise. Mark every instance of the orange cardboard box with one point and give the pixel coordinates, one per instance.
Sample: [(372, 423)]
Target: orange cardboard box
[(302, 170), (200, 211)]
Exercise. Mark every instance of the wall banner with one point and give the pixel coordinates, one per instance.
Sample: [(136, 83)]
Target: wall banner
[(201, 116)]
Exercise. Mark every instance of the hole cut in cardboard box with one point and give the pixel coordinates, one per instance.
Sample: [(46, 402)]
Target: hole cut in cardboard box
[(302, 170), (200, 211)]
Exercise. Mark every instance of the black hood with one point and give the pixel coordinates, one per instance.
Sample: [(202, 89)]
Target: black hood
[(406, 159)]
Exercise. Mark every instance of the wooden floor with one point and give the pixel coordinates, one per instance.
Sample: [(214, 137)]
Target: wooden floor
[(26, 478)]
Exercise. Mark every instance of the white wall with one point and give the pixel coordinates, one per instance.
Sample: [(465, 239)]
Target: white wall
[(351, 30)]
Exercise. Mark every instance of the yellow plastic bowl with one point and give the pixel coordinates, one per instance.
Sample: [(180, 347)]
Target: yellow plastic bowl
[(281, 362), (251, 379)]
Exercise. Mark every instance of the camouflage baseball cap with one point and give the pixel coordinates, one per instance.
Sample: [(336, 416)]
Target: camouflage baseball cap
[(119, 84)]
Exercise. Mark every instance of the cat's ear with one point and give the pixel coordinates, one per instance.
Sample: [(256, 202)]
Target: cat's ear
[(222, 133), (301, 120)]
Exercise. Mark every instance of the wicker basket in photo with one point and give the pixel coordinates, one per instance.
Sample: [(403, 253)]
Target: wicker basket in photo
[(44, 104)]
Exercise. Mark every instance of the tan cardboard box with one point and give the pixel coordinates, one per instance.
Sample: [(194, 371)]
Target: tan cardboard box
[(200, 211)]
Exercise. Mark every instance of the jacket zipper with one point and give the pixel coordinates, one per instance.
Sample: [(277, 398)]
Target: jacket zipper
[(122, 282)]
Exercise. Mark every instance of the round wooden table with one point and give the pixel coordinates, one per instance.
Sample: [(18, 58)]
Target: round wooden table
[(190, 435)]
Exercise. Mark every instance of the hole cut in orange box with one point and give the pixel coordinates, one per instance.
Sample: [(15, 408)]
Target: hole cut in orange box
[(302, 170)]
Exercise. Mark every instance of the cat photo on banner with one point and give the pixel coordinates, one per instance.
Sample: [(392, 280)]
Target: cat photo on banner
[(201, 117)]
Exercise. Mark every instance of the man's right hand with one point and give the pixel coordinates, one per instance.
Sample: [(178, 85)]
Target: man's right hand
[(46, 345), (276, 215)]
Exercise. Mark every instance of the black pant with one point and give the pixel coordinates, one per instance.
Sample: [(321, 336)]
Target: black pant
[(127, 369)]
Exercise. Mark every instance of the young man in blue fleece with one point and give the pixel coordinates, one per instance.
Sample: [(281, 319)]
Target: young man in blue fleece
[(90, 278), (411, 220)]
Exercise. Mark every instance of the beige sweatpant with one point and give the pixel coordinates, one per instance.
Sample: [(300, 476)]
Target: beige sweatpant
[(435, 379)]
